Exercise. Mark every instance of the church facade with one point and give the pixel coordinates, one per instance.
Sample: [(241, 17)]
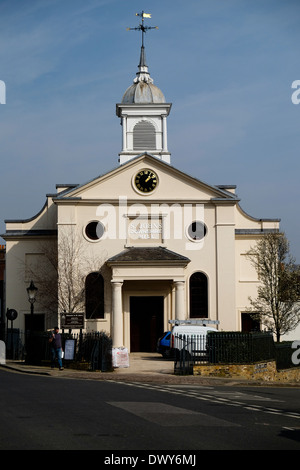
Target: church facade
[(138, 246)]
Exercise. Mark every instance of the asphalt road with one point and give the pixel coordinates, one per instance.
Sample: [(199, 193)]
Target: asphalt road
[(48, 413)]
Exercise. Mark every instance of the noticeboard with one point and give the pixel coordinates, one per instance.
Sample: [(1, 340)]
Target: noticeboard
[(69, 351), (72, 321)]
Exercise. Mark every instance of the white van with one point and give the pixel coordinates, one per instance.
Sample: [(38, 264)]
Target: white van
[(190, 338)]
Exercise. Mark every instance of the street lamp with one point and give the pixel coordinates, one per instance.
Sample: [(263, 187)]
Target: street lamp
[(31, 291)]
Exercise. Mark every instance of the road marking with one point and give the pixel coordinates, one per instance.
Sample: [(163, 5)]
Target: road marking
[(170, 416), (213, 397)]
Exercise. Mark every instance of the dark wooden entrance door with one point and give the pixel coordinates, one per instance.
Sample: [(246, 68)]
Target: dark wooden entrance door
[(146, 322)]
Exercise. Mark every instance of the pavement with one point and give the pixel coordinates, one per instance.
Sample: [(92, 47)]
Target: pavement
[(143, 368)]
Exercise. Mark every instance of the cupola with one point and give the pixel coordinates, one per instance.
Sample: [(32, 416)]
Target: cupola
[(143, 112)]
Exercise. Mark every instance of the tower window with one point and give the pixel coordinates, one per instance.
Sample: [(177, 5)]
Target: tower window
[(144, 136)]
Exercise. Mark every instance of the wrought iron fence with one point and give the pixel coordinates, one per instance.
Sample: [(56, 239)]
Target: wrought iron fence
[(15, 344), (238, 347), (189, 350), (94, 349), (222, 348)]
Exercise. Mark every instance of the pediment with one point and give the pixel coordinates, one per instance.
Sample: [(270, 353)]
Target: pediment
[(173, 185)]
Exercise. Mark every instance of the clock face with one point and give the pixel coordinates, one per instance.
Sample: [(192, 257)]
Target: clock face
[(146, 181)]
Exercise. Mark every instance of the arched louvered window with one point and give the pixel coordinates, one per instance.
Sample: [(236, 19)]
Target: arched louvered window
[(94, 296), (198, 296), (144, 136)]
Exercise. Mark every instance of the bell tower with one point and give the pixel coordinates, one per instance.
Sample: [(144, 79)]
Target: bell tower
[(143, 112)]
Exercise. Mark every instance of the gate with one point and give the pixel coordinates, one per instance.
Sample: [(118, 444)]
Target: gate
[(189, 350)]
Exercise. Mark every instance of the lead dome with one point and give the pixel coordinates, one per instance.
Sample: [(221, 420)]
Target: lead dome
[(143, 90)]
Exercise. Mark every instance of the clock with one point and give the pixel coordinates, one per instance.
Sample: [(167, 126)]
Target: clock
[(145, 181)]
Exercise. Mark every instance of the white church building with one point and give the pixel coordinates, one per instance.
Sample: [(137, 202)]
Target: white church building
[(138, 246)]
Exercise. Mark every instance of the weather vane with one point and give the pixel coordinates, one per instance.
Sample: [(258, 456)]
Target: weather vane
[(142, 27)]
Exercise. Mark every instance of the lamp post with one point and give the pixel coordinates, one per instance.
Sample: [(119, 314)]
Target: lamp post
[(31, 291)]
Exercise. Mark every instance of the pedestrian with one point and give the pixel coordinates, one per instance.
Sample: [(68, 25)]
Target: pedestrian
[(56, 348)]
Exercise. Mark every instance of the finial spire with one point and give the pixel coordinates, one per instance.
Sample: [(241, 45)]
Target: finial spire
[(143, 73)]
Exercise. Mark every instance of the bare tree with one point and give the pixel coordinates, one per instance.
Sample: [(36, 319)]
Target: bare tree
[(60, 273), (277, 304)]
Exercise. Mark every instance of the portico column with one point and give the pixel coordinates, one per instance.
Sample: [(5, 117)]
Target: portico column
[(117, 314), (180, 313)]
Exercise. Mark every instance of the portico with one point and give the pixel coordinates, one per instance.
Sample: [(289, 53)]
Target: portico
[(138, 272)]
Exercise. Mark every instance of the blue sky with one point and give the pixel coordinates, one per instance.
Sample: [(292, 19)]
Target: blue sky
[(227, 67)]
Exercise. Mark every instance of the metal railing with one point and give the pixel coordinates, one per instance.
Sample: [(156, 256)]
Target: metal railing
[(94, 348), (189, 350), (240, 348), (15, 344), (222, 348)]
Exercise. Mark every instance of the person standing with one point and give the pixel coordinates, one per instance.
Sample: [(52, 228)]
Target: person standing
[(56, 348)]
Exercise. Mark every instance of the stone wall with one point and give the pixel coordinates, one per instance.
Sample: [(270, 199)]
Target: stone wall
[(261, 371)]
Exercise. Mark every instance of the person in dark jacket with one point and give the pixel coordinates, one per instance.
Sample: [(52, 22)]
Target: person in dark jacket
[(56, 348)]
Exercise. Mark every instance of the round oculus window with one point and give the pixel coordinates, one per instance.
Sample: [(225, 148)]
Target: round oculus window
[(94, 230), (196, 231)]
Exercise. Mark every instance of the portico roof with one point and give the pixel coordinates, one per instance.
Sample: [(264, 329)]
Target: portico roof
[(148, 255)]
